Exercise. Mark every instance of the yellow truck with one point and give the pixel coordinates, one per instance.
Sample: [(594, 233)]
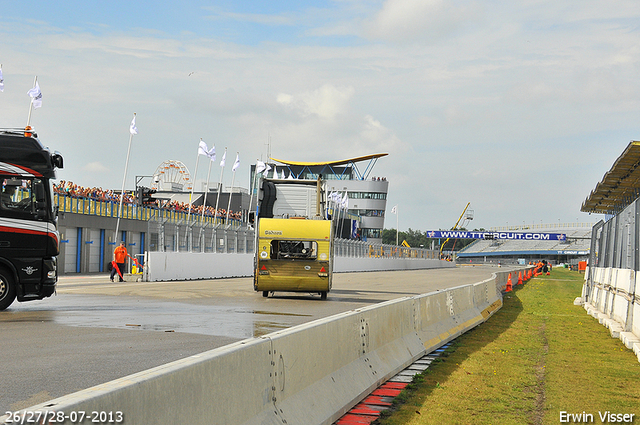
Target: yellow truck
[(294, 245), (294, 255)]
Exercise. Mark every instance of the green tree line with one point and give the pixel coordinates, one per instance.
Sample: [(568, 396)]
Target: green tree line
[(417, 239)]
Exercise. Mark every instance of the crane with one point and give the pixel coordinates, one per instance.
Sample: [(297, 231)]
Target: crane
[(467, 216)]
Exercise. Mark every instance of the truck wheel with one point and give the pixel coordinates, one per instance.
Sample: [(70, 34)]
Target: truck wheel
[(265, 294), (323, 295), (7, 289)]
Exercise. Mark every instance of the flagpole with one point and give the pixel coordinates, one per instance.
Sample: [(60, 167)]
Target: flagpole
[(339, 205), (397, 224), (224, 158), (226, 221), (339, 220), (204, 203), (195, 175), (124, 179), (31, 103), (253, 188)]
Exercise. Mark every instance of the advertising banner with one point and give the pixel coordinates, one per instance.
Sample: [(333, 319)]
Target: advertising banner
[(463, 234)]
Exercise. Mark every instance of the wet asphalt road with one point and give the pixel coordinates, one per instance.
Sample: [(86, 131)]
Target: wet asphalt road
[(94, 331)]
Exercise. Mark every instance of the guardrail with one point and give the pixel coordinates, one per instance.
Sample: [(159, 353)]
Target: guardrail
[(308, 374), (166, 265), (362, 249)]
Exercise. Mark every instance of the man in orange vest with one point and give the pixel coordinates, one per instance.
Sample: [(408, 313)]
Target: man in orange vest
[(119, 258)]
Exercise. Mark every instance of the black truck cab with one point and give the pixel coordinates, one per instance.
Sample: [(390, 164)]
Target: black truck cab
[(28, 221)]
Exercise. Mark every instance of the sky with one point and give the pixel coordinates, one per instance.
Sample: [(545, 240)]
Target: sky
[(517, 107)]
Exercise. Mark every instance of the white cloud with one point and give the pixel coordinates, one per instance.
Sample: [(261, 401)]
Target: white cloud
[(327, 101), (257, 18), (95, 167), (418, 20)]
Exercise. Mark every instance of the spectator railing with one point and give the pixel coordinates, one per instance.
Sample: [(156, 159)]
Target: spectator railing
[(89, 206)]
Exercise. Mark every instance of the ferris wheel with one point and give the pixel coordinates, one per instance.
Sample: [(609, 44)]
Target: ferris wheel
[(172, 175)]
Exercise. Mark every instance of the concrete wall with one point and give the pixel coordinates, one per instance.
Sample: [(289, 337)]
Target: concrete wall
[(308, 374), (353, 264), (609, 295), (163, 266), (91, 246)]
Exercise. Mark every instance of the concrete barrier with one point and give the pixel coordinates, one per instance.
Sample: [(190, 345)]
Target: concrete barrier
[(611, 298), (164, 266), (308, 374), (356, 264)]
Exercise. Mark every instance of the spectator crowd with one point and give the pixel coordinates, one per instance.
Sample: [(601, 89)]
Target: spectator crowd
[(72, 190)]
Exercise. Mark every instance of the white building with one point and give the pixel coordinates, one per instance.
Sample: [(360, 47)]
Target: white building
[(367, 194)]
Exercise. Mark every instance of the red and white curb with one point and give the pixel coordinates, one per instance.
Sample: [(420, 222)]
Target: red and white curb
[(381, 399)]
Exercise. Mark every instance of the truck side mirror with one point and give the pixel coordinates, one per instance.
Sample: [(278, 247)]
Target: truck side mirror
[(39, 190)]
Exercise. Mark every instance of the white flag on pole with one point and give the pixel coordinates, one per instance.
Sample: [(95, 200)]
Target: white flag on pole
[(1, 81), (132, 128), (266, 170), (203, 149), (394, 210), (260, 167), (222, 161), (237, 163), (36, 96), (345, 201)]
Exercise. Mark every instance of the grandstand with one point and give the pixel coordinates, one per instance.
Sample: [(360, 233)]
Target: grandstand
[(570, 251)]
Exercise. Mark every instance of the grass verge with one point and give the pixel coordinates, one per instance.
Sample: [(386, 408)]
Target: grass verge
[(538, 356)]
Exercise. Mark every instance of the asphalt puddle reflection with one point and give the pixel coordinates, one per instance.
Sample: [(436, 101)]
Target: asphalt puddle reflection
[(151, 315)]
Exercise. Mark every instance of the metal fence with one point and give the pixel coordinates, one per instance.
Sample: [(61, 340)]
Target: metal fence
[(177, 231), (363, 249), (615, 244), (178, 236), (170, 236)]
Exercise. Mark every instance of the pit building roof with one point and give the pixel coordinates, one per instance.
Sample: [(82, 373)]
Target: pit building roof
[(619, 186)]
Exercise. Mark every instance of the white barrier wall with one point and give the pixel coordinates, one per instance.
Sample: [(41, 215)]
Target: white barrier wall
[(163, 266), (611, 298), (309, 374), (354, 264)]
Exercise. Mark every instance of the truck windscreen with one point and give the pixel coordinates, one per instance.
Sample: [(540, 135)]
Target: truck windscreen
[(22, 197)]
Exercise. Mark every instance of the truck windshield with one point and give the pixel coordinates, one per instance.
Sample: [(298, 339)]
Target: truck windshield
[(22, 197), (293, 249)]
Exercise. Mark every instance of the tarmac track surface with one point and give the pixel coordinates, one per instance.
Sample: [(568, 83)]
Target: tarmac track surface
[(94, 331)]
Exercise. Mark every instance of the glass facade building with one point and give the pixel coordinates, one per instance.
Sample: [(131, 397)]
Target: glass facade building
[(367, 195)]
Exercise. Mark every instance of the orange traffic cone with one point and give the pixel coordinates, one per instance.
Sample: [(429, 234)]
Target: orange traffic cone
[(520, 278), (509, 284)]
